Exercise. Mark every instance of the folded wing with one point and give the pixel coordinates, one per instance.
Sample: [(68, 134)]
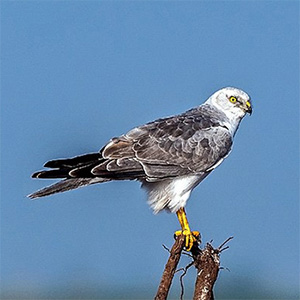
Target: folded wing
[(191, 143)]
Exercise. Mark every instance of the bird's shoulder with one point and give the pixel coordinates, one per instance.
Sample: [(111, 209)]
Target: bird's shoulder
[(184, 125), (190, 142)]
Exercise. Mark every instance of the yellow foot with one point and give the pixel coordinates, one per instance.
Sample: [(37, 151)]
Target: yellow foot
[(190, 237)]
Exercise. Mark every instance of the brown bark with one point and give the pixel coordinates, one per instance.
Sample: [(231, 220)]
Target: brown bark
[(170, 268), (207, 263)]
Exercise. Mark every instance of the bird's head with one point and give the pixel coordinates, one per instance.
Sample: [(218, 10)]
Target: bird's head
[(232, 101)]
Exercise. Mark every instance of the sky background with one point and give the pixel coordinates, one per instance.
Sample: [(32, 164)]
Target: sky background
[(75, 74)]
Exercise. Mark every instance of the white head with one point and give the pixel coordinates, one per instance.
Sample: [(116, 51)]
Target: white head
[(234, 102)]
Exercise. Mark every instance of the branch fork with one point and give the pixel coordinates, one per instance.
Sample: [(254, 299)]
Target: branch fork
[(206, 261)]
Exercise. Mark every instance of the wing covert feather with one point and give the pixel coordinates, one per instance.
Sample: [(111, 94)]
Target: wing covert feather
[(189, 143)]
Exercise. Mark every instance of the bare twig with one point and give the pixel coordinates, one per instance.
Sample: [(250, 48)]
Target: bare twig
[(166, 248), (221, 247), (181, 278)]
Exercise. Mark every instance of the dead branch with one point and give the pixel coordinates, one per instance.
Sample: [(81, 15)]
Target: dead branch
[(207, 263), (170, 268)]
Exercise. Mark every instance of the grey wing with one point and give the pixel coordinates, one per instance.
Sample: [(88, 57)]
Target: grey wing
[(191, 143), (170, 147)]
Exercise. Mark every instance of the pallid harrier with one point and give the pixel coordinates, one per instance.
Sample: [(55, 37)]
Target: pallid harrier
[(169, 156)]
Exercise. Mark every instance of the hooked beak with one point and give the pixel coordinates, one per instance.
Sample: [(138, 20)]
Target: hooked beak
[(248, 107)]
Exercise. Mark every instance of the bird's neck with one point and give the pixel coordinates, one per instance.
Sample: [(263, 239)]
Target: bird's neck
[(233, 125), (231, 118)]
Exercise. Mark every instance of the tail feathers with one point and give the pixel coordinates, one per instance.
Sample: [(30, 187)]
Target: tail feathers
[(65, 185)]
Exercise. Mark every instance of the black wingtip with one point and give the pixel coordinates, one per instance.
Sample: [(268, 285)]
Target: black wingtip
[(52, 164), (74, 161), (35, 175), (44, 174), (51, 174)]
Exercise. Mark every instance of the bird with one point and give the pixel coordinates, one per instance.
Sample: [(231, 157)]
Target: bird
[(169, 156)]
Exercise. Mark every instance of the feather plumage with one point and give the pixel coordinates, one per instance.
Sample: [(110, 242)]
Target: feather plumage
[(170, 156)]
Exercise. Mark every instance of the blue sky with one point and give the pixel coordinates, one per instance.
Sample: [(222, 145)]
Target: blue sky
[(75, 74)]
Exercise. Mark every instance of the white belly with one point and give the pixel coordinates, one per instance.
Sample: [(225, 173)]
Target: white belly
[(171, 194)]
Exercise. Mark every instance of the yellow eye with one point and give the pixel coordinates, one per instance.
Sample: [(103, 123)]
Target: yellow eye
[(232, 99)]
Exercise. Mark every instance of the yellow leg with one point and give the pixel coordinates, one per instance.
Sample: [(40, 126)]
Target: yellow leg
[(190, 236)]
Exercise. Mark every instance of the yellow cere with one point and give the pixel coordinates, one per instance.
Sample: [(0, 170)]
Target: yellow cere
[(248, 104)]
